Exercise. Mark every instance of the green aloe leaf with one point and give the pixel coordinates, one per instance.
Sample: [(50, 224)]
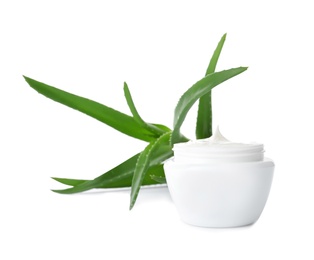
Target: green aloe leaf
[(214, 59), (204, 115), (121, 175), (113, 178), (151, 128), (107, 115), (69, 182), (163, 127), (160, 148), (199, 89), (156, 171), (161, 180)]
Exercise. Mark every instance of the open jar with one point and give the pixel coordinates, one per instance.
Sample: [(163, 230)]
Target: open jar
[(217, 183)]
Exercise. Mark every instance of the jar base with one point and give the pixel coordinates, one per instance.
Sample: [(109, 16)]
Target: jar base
[(220, 196), (218, 226)]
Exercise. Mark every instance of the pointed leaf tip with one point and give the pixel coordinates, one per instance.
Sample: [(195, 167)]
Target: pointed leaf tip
[(199, 89), (26, 78), (113, 118), (204, 114)]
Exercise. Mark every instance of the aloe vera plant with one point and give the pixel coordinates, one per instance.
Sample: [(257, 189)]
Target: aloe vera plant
[(146, 167)]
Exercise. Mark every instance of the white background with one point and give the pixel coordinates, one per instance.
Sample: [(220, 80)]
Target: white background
[(160, 49)]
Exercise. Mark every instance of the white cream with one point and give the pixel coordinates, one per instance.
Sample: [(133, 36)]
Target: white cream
[(217, 149)]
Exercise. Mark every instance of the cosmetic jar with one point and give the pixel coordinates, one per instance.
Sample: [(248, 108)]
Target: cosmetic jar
[(217, 183)]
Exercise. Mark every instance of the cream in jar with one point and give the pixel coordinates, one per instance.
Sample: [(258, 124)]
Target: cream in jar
[(217, 183)]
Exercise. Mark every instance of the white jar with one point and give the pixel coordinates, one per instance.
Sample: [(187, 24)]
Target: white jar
[(217, 183)]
